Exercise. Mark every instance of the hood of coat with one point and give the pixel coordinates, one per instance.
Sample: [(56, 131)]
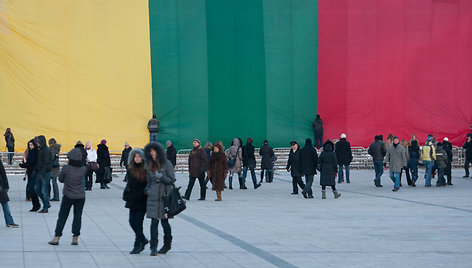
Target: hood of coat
[(56, 146), (42, 141), (133, 153), (308, 143), (101, 146), (75, 154), (161, 154), (236, 142), (328, 146)]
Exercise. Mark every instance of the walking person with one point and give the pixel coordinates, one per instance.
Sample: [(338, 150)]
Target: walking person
[(235, 153), (404, 143), (208, 148), (429, 155), (217, 170), (413, 161), (249, 162), (309, 162), (4, 186), (55, 149), (10, 144), (197, 165), (344, 157), (294, 166), (318, 131), (467, 146), (92, 165), (72, 175), (104, 164), (396, 158), (447, 146), (153, 127), (267, 155), (160, 180), (328, 166), (125, 155), (171, 153), (135, 197), (377, 150), (441, 160), (43, 172)]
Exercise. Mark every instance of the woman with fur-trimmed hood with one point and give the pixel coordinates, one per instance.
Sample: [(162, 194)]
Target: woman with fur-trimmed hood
[(217, 170), (160, 179)]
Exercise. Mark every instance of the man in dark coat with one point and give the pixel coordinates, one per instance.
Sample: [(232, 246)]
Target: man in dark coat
[(267, 154), (318, 131), (447, 146), (377, 150), (79, 145), (249, 162), (344, 157), (294, 166), (197, 165), (153, 127), (309, 161), (468, 154), (104, 164), (43, 172), (328, 167), (4, 198), (125, 155), (171, 153)]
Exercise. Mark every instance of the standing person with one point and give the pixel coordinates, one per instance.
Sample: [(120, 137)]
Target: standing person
[(29, 162), (397, 160), (267, 153), (135, 197), (197, 165), (249, 162), (389, 141), (235, 152), (414, 156), (344, 157), (447, 146), (218, 170), (153, 127), (208, 147), (92, 165), (171, 153), (125, 155), (328, 168), (309, 162), (160, 180), (10, 143), (4, 198), (413, 138), (104, 164), (404, 143), (377, 150), (318, 131), (72, 175), (295, 168), (468, 154), (429, 155), (441, 160), (43, 172), (55, 149)]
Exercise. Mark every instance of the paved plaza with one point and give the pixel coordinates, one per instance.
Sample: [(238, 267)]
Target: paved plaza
[(267, 227)]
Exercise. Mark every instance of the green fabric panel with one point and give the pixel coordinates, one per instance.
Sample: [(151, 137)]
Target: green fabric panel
[(179, 70), (236, 70)]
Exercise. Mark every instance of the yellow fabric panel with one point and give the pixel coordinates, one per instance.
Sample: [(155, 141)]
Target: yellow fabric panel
[(75, 70)]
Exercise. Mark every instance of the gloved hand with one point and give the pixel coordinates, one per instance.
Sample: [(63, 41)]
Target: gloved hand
[(158, 175)]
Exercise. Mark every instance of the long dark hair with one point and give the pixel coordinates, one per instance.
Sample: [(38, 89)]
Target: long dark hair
[(137, 170), (153, 165), (7, 132)]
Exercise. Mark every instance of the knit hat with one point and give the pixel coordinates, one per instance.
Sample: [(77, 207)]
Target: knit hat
[(293, 143), (168, 143), (126, 143), (395, 137), (197, 140), (103, 141), (446, 139), (343, 136), (430, 137)]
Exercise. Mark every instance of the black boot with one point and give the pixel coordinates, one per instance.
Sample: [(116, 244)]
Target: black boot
[(242, 185), (143, 245), (230, 182), (166, 247), (262, 176), (271, 176), (154, 247), (135, 250), (202, 193)]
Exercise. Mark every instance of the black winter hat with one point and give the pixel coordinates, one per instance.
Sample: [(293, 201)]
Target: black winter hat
[(293, 143)]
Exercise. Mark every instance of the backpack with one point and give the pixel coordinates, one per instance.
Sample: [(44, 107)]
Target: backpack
[(232, 160), (55, 161)]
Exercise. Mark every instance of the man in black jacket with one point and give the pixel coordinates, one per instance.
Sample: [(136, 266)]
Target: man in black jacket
[(295, 168), (468, 154), (249, 162), (171, 153), (309, 161), (344, 156), (43, 172), (267, 163), (447, 146), (378, 151)]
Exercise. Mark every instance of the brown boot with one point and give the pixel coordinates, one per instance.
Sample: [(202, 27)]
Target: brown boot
[(54, 241), (75, 241), (218, 196)]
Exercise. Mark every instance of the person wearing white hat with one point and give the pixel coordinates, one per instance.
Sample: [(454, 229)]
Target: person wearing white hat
[(447, 146), (344, 157)]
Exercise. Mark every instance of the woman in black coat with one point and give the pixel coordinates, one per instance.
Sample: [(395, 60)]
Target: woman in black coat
[(328, 166), (29, 162), (104, 164), (4, 198), (135, 197)]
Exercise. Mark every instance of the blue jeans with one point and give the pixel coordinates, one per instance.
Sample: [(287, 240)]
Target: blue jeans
[(340, 173), (136, 218), (155, 232), (429, 168), (42, 188), (7, 214), (55, 188), (414, 173), (154, 136), (378, 166), (395, 177), (253, 175)]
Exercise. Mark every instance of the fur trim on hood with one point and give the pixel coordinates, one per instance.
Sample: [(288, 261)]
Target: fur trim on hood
[(161, 154), (328, 146), (133, 153)]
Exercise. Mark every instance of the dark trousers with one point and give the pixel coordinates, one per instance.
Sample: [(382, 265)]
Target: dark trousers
[(11, 152), (89, 179), (309, 183), (323, 187), (318, 139), (297, 180), (407, 173), (191, 182), (66, 205), (32, 192), (269, 173), (448, 173), (468, 160), (136, 219), (441, 181), (378, 166), (155, 230)]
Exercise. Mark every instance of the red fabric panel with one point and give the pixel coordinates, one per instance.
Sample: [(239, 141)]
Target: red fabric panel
[(395, 66)]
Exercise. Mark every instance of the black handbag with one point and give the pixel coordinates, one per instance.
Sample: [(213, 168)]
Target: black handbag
[(174, 203)]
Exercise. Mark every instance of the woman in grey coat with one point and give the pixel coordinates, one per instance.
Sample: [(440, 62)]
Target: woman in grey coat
[(160, 180), (236, 151)]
